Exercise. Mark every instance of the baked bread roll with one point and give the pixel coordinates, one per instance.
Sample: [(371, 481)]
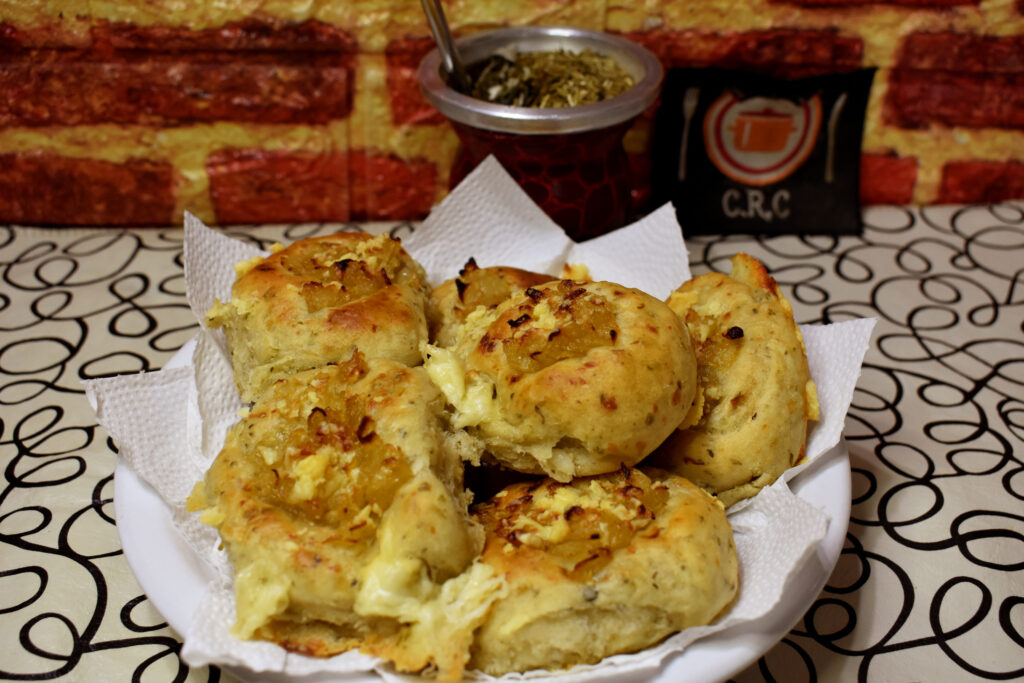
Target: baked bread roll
[(569, 379), (453, 300), (756, 391), (339, 501), (317, 301), (600, 566)]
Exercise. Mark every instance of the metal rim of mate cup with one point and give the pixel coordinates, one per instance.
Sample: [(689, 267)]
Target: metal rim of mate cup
[(636, 60), (570, 160)]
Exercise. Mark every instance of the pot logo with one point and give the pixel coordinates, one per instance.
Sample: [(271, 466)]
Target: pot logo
[(760, 140)]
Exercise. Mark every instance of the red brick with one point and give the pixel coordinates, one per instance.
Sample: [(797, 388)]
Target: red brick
[(408, 105), (57, 34), (43, 189), (262, 186), (962, 53), (955, 79), (782, 52), (887, 179), (976, 181), (11, 38), (166, 90), (917, 99), (103, 39), (248, 35), (384, 187)]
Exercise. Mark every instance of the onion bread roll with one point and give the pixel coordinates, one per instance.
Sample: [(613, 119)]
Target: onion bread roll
[(339, 501), (756, 389), (318, 300), (600, 566), (569, 379), (453, 300)]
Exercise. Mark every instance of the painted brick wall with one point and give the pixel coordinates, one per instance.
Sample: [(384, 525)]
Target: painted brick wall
[(131, 112)]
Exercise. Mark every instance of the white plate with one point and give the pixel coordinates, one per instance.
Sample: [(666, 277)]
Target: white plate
[(175, 578)]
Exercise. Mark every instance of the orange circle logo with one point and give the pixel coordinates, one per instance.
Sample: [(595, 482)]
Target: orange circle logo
[(760, 140)]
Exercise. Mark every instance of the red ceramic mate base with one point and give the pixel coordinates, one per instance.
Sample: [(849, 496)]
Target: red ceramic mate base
[(581, 180)]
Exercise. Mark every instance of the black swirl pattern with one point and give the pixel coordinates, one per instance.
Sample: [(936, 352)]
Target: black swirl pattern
[(81, 304), (928, 586)]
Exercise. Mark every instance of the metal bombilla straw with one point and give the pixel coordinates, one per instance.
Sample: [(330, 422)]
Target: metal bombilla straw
[(446, 46)]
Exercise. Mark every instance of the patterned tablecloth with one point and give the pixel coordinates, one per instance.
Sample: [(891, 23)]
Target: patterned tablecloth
[(930, 584)]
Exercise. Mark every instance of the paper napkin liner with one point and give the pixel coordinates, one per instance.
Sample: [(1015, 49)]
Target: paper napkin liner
[(170, 424)]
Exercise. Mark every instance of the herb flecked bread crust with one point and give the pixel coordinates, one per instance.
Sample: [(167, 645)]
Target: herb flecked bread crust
[(340, 495), (453, 300), (600, 566), (569, 378), (756, 396), (340, 502), (318, 300)]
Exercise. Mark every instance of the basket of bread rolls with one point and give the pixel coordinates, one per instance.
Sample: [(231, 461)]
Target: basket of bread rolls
[(505, 472)]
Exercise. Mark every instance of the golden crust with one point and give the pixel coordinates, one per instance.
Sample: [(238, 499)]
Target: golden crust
[(756, 392), (317, 301), (453, 300), (340, 503), (568, 378), (340, 496), (599, 566)]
